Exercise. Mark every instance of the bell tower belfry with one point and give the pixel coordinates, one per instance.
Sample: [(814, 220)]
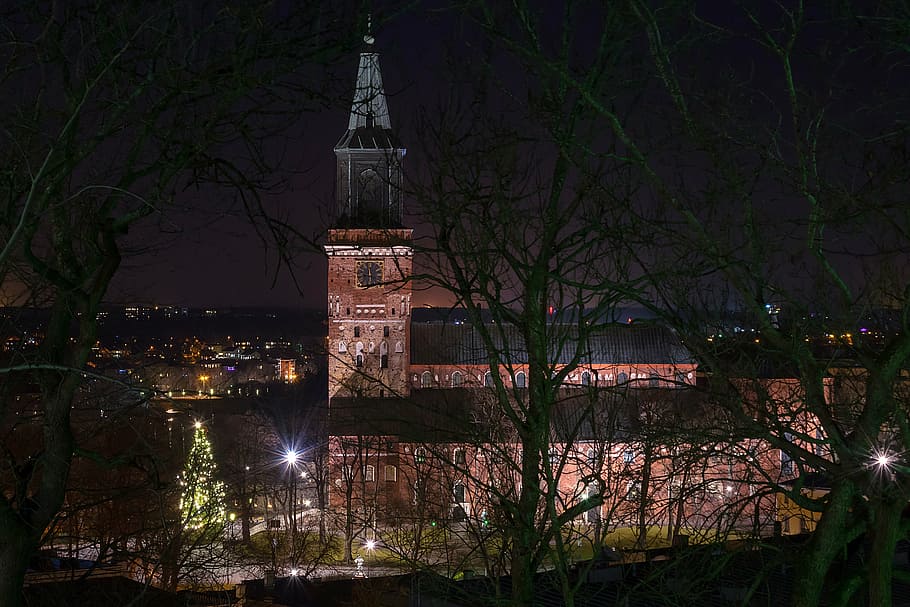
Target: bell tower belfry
[(369, 251)]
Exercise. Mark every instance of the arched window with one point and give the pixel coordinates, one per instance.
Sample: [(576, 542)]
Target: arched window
[(458, 493), (370, 198), (459, 457), (622, 379), (369, 473), (654, 380), (383, 355), (426, 379), (371, 348), (358, 353), (488, 379), (592, 458), (385, 331), (457, 379), (420, 455), (586, 379), (521, 380), (342, 347), (391, 473), (399, 348)]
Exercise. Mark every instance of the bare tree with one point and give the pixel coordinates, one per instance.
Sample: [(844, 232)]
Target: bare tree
[(723, 169), (119, 109)]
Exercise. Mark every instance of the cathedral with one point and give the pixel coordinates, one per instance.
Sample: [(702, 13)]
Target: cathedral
[(411, 432)]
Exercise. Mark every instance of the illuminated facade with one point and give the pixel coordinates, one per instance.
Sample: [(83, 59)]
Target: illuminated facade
[(412, 430)]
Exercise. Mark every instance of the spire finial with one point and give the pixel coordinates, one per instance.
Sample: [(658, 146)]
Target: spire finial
[(368, 39)]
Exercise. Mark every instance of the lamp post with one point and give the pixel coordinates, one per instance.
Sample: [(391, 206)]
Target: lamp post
[(291, 457)]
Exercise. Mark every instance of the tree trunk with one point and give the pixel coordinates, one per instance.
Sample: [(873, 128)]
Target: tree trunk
[(526, 538), (642, 542), (14, 555), (885, 533), (348, 534), (829, 538)]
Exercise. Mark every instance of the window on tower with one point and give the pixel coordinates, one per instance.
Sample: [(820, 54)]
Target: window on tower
[(370, 207), (356, 331), (385, 331), (426, 379), (383, 355)]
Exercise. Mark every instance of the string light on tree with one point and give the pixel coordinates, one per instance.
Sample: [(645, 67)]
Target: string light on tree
[(202, 501)]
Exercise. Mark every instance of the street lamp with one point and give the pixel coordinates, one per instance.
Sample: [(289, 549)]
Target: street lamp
[(291, 456)]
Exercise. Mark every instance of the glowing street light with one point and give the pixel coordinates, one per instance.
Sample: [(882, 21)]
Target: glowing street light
[(291, 457), (883, 460), (886, 463)]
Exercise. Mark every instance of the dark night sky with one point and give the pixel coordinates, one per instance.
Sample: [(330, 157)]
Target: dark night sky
[(206, 253)]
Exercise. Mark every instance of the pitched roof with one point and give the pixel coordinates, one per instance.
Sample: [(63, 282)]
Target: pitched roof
[(427, 416), (464, 415), (369, 126), (462, 344)]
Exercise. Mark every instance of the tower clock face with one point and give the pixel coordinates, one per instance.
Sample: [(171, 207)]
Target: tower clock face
[(369, 273)]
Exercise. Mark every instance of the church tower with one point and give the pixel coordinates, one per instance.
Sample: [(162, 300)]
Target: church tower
[(369, 251)]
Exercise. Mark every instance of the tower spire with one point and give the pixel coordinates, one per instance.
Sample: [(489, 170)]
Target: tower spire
[(368, 155), (369, 108)]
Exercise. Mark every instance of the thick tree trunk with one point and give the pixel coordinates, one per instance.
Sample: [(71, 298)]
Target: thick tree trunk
[(24, 520), (829, 539), (524, 563), (15, 551), (885, 533)]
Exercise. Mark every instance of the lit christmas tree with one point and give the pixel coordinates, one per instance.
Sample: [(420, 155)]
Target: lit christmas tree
[(202, 502)]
